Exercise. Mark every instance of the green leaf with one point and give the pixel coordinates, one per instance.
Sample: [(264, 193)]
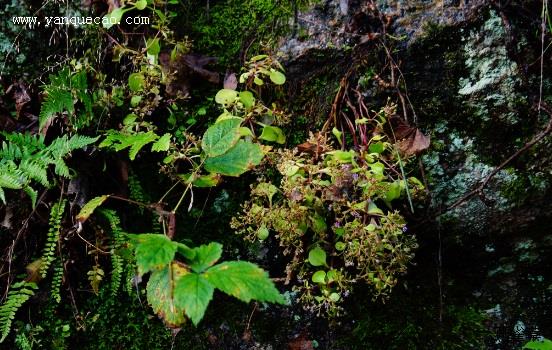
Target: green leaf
[(246, 97), (273, 134), (141, 4), (335, 297), (258, 58), (317, 257), (185, 251), (277, 77), (377, 147), (136, 82), (342, 156), (206, 256), (262, 233), (153, 46), (221, 136), (393, 192), (239, 159), (374, 210), (258, 81), (319, 277), (340, 246), (153, 251), (192, 294), (89, 207), (57, 101), (210, 180), (162, 145), (545, 344), (226, 96), (244, 281), (161, 290), (140, 142), (113, 18)]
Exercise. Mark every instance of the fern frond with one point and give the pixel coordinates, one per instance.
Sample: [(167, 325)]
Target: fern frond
[(56, 214), (57, 101), (57, 279), (32, 193), (19, 293), (19, 146), (117, 242), (35, 171), (136, 142), (95, 276), (116, 273)]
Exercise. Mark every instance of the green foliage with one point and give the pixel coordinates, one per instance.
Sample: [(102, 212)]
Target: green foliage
[(19, 293), (135, 141), (330, 205), (62, 92), (542, 344), (118, 262), (90, 206), (57, 279), (239, 159), (56, 214), (175, 291), (25, 158)]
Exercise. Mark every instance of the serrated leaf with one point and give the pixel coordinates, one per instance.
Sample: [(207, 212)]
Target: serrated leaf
[(89, 207), (192, 293), (220, 137), (273, 134), (161, 289), (153, 251), (317, 257), (162, 145), (206, 256), (239, 159), (243, 280), (140, 142)]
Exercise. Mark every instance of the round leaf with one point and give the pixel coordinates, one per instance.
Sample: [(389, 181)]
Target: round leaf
[(262, 233), (319, 277), (246, 97), (141, 4), (277, 78), (334, 297), (317, 257), (136, 82), (226, 96), (113, 18), (340, 246)]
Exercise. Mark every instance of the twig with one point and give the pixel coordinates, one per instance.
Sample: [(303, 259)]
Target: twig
[(547, 130)]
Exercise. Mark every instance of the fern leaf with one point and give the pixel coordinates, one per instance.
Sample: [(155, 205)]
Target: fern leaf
[(57, 101), (57, 279), (56, 214), (19, 293), (10, 180), (34, 170), (32, 194)]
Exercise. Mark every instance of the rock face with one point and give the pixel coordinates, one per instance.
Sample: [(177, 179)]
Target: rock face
[(471, 71)]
